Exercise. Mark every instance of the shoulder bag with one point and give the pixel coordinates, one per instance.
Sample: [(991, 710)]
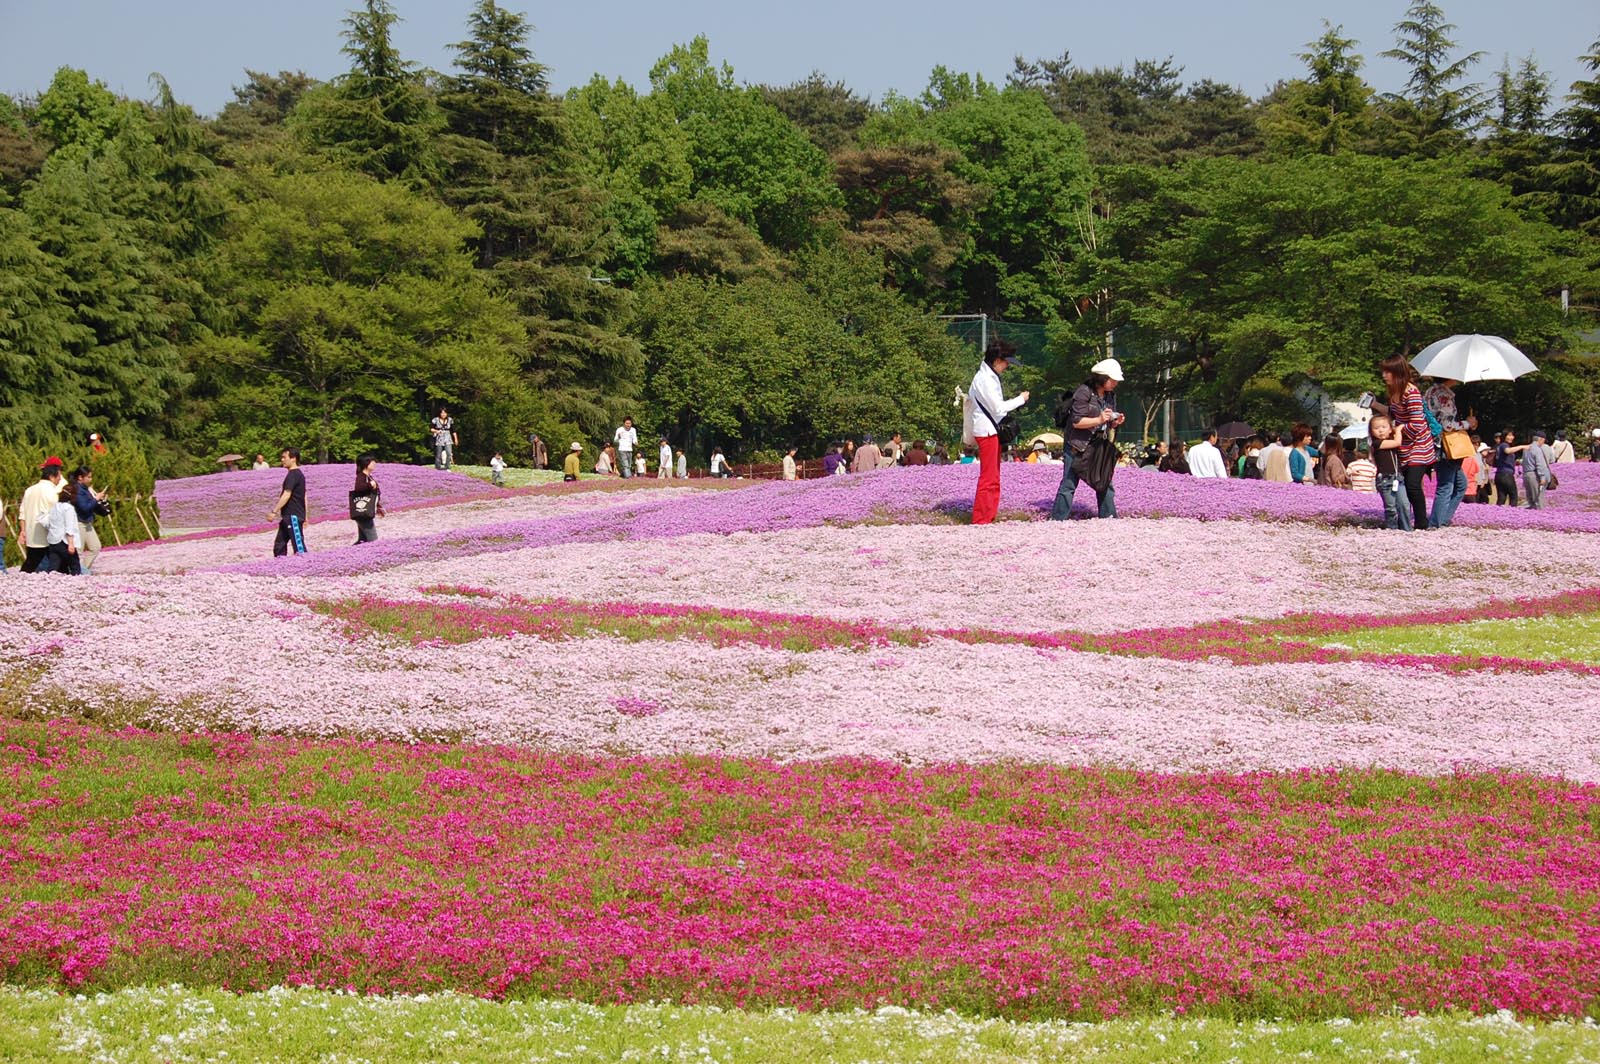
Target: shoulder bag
[(1005, 428)]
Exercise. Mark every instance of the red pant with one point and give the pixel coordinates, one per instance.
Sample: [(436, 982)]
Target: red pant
[(987, 503)]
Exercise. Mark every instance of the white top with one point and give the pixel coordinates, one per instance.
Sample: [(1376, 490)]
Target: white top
[(717, 462), (985, 388), (1266, 453), (603, 463), (788, 467), (497, 464), (626, 438), (1206, 461), (1562, 449), (665, 457), (37, 503), (63, 523)]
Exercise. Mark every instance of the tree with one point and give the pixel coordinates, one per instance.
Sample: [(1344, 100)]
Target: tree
[(827, 111), (1573, 172), (76, 114), (1439, 107), (357, 309), (1328, 111), (262, 105), (1518, 140), (378, 118)]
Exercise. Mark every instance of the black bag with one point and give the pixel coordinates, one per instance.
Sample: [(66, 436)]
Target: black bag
[(1063, 415), (1007, 428), (363, 505), (1098, 464)]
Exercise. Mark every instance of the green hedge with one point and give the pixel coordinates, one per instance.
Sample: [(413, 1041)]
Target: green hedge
[(124, 472)]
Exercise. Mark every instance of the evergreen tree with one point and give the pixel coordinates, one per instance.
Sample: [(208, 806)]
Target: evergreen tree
[(1518, 140), (1572, 175), (828, 112), (1328, 111), (1439, 108)]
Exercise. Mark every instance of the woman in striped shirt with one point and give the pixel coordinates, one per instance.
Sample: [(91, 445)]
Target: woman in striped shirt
[(1405, 409)]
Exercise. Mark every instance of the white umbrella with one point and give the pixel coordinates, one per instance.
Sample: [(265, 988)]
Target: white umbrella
[(1354, 432), (1472, 357)]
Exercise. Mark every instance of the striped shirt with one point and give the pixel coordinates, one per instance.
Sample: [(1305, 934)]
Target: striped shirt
[(1363, 474), (1417, 449)]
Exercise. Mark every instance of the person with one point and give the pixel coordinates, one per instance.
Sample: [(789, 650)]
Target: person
[(574, 460), (940, 455), (61, 535), (97, 443), (1449, 473), (260, 463), (367, 485), (541, 452), (664, 460), (626, 438), (1386, 440), (1472, 469), (1594, 446), (1302, 461), (1485, 469), (1035, 453), (1562, 452), (867, 458), (1331, 471), (1176, 460), (1090, 416), (1361, 474), (497, 470), (1152, 455), (445, 440), (604, 465), (719, 464), (641, 466), (682, 466), (984, 408), (893, 452), (849, 455), (1275, 460), (1205, 459), (89, 504), (34, 514), (1250, 460), (833, 461), (917, 455), (1505, 468), (1405, 410), (1536, 470), (290, 511), (788, 464)]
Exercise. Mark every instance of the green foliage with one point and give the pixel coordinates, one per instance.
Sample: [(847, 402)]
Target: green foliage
[(827, 111), (1327, 112), (1439, 108), (123, 472), (77, 114)]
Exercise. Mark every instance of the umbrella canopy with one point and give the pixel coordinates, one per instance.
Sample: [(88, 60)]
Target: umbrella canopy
[(230, 458), (1235, 430), (1354, 432), (1472, 357), (1049, 439)]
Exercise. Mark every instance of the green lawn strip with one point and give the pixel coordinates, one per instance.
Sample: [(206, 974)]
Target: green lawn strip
[(515, 477), (175, 1024), (1573, 638)]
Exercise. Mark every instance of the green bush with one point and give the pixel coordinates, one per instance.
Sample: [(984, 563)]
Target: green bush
[(123, 471)]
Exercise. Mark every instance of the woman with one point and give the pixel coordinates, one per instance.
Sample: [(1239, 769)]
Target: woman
[(1091, 419), (367, 488), (605, 466), (1505, 468), (61, 541), (1405, 410), (985, 407), (1449, 473), (1175, 461), (1302, 461), (1563, 450), (1331, 472), (719, 464)]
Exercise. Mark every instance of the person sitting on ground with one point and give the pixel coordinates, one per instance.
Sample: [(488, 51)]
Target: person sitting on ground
[(1331, 471), (1174, 462), (918, 454), (574, 461), (1205, 460)]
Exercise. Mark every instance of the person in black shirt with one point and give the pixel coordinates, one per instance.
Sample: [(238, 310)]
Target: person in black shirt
[(290, 512)]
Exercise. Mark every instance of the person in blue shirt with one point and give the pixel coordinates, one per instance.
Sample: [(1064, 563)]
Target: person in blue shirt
[(90, 504)]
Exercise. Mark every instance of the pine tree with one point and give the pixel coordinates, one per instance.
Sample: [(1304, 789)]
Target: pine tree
[(1329, 111), (1439, 107), (1573, 173)]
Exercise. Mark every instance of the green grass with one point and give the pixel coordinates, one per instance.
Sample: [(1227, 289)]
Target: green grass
[(515, 478), (1575, 638), (173, 1024)]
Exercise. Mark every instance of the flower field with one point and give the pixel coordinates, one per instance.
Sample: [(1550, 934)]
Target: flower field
[(822, 746)]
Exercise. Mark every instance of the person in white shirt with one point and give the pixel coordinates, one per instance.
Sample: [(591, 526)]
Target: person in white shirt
[(497, 470), (985, 407), (788, 464), (37, 502), (1205, 460), (664, 460), (626, 438), (1562, 450), (719, 464), (602, 465), (61, 554)]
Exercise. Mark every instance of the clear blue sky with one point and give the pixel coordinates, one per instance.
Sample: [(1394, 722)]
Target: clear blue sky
[(203, 46)]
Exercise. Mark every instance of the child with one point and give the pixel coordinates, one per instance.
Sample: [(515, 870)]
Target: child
[(1385, 440), (62, 551), (497, 470)]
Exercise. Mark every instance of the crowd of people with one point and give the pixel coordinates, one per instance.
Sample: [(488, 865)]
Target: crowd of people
[(57, 515)]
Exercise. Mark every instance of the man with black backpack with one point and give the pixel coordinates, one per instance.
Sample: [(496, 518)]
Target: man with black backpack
[(1090, 420)]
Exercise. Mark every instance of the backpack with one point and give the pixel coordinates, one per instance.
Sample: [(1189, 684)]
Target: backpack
[(1063, 412)]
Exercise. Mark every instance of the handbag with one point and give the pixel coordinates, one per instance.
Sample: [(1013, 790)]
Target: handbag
[(1005, 428), (1552, 484), (363, 505), (1457, 444)]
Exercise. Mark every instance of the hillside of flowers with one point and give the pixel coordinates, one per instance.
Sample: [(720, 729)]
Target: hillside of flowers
[(821, 746)]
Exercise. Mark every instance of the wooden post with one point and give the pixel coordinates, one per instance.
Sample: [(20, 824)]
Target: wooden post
[(142, 521)]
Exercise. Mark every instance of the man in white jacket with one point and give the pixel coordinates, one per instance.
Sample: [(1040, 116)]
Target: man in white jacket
[(986, 406), (1205, 460), (37, 502)]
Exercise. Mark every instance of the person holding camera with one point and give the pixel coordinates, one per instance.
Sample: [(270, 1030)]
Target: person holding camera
[(89, 504), (1088, 418), (982, 414)]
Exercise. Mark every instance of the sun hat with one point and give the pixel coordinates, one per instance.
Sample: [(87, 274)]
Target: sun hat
[(1108, 367), (576, 446)]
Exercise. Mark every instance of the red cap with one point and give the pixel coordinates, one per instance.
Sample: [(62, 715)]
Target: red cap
[(51, 461)]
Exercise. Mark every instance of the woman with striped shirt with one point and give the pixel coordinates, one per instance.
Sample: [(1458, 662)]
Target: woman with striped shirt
[(1405, 409)]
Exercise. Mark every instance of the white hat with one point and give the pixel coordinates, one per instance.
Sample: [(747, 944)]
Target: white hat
[(1597, 434), (576, 446), (1108, 367)]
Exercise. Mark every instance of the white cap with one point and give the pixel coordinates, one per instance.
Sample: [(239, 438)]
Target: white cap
[(1597, 434), (576, 446), (1108, 367)]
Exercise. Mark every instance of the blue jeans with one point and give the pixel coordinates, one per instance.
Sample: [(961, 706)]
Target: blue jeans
[(1062, 507), (1452, 489), (1396, 507), (625, 463)]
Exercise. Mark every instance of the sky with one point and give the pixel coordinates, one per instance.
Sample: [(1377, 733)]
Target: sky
[(202, 47)]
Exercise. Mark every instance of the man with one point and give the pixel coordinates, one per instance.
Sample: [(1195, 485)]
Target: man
[(893, 451), (1536, 470), (290, 512), (788, 464), (867, 457), (541, 453), (37, 502), (664, 460), (1205, 459), (444, 440), (89, 504), (1274, 459), (625, 438)]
